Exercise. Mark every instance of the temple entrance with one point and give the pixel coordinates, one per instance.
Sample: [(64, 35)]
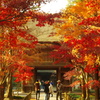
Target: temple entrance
[(47, 75)]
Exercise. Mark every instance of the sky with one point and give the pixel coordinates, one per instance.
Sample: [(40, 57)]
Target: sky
[(54, 6)]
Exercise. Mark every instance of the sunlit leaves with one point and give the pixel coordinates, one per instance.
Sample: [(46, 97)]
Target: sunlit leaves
[(68, 75), (80, 29), (93, 84), (75, 83)]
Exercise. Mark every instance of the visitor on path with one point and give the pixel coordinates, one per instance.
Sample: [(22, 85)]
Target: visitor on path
[(51, 91), (46, 90), (59, 90), (42, 85), (37, 89)]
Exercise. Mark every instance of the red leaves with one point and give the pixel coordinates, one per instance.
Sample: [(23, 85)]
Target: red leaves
[(92, 84), (91, 69), (27, 36), (92, 3), (44, 18), (19, 4), (23, 73), (68, 66), (13, 15), (31, 40), (23, 76), (91, 21), (61, 54), (8, 17), (23, 5), (13, 53), (13, 41), (70, 41)]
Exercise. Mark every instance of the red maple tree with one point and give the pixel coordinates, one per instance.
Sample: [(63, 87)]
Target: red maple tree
[(14, 39)]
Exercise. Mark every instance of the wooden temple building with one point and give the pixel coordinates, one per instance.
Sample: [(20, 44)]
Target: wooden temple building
[(44, 67)]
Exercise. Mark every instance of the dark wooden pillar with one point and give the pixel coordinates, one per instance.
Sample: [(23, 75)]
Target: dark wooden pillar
[(34, 77), (59, 73)]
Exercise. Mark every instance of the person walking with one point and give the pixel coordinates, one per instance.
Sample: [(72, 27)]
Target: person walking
[(37, 89), (59, 90), (46, 90), (51, 89)]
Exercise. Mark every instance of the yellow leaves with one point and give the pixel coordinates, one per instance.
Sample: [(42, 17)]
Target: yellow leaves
[(90, 59), (67, 38), (74, 14), (70, 28), (70, 25), (83, 9), (98, 60), (75, 52), (79, 8)]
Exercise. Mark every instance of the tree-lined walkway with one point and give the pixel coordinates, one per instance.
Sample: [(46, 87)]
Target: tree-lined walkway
[(33, 96)]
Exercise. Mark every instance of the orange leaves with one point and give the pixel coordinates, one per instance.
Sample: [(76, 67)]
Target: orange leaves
[(75, 83), (90, 59), (81, 33), (79, 9), (93, 84), (68, 75), (72, 73), (79, 17)]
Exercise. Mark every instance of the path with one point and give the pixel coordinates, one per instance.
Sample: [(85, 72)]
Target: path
[(42, 96)]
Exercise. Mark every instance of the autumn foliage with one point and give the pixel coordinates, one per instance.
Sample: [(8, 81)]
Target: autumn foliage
[(14, 39), (80, 48)]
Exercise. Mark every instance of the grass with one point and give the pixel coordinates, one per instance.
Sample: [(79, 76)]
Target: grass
[(77, 90), (74, 95)]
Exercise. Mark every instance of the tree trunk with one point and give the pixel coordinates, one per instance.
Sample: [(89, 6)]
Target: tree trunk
[(83, 89), (9, 87), (2, 90), (87, 89), (97, 89), (87, 94)]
